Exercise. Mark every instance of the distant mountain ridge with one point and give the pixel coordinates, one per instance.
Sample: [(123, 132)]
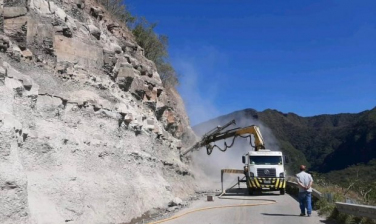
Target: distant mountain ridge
[(325, 142)]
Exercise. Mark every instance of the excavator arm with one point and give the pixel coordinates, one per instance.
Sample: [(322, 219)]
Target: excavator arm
[(218, 134)]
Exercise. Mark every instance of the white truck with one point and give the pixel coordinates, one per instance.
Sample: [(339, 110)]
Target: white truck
[(265, 171)]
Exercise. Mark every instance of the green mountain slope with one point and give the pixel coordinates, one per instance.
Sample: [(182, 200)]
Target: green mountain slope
[(324, 142)]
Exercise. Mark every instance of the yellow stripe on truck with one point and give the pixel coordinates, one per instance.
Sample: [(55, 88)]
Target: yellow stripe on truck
[(257, 183), (254, 184), (250, 183), (276, 185), (284, 184)]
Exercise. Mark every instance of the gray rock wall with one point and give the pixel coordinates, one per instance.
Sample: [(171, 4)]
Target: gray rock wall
[(88, 134), (13, 179)]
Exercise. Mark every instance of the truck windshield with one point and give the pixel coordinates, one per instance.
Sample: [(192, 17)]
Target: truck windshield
[(265, 160)]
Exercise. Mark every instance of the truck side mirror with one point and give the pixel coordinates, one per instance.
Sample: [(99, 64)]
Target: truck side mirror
[(243, 159), (287, 160)]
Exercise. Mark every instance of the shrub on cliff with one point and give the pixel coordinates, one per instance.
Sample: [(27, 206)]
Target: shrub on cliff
[(118, 9), (155, 47)]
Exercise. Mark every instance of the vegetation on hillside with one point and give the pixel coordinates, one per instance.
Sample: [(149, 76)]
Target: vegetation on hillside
[(326, 205), (359, 178), (155, 46), (118, 9), (356, 184), (324, 142)]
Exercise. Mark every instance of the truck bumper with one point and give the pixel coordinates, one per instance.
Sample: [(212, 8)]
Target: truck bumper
[(272, 184)]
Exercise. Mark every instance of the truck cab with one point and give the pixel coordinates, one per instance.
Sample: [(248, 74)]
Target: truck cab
[(264, 170)]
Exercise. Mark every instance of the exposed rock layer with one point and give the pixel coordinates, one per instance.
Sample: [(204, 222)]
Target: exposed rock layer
[(88, 132)]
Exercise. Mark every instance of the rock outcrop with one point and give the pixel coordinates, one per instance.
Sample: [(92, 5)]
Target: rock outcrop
[(88, 133)]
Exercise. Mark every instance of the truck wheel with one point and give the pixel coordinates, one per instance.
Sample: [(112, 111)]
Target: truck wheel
[(250, 191), (282, 191)]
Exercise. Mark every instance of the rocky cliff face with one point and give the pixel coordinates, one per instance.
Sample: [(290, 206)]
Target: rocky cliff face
[(88, 134)]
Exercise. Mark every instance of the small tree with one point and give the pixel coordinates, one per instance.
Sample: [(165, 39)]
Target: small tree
[(154, 45), (168, 75), (155, 48), (118, 9)]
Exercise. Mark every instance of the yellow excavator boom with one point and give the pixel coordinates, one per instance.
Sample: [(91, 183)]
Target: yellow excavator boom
[(255, 131), (218, 134)]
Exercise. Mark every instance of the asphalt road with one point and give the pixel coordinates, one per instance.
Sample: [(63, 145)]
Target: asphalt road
[(268, 208)]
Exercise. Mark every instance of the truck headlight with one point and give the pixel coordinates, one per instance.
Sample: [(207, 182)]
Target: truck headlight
[(251, 174), (282, 175)]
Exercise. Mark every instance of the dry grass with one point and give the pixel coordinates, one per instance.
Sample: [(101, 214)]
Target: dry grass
[(333, 193)]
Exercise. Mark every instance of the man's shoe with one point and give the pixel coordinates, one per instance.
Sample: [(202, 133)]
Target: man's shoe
[(309, 215), (302, 214)]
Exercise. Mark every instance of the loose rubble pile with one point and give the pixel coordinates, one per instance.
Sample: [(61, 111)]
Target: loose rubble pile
[(88, 133)]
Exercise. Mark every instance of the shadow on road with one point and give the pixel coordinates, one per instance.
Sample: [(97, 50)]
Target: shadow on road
[(271, 214), (328, 222), (244, 192)]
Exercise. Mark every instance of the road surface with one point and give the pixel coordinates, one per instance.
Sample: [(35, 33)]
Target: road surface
[(269, 208)]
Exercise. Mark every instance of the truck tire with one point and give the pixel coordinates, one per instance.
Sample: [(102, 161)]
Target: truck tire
[(250, 191), (282, 191)]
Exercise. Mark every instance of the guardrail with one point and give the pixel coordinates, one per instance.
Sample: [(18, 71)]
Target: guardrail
[(347, 208), (357, 210)]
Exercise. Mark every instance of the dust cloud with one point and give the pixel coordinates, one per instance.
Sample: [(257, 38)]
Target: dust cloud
[(200, 107), (209, 167)]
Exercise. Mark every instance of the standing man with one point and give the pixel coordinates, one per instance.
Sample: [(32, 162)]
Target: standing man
[(305, 190)]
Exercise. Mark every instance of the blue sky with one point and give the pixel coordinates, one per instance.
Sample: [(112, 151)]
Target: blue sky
[(306, 57)]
